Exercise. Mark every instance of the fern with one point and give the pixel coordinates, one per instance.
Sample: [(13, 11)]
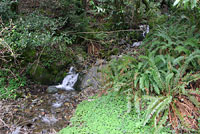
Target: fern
[(137, 102), (169, 79), (151, 75), (162, 107), (173, 38), (162, 122), (155, 107), (155, 103)]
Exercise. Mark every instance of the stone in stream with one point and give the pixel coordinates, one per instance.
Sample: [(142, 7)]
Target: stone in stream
[(49, 119), (52, 89)]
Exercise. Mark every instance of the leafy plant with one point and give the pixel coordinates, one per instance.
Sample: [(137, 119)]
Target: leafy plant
[(186, 3), (175, 38), (10, 84), (8, 9), (171, 84), (162, 79)]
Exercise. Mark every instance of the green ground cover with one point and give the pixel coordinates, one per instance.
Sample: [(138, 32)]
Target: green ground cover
[(107, 115)]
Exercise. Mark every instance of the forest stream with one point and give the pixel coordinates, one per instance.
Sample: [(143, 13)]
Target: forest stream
[(44, 111)]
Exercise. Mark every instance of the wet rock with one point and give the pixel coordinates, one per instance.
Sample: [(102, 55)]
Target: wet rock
[(94, 77), (57, 104), (100, 62), (49, 119), (52, 89)]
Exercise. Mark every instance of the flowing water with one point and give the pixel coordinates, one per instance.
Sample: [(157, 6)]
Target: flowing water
[(145, 31), (69, 81), (44, 113)]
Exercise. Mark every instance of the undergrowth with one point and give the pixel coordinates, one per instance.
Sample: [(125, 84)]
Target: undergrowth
[(162, 75), (107, 115), (175, 37), (9, 84)]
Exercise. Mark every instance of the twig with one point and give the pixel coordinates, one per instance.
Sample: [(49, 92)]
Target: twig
[(4, 123), (107, 32), (4, 69), (38, 60)]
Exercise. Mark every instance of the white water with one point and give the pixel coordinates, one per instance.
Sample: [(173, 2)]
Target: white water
[(136, 44), (17, 130), (69, 81), (145, 31), (57, 104), (49, 119)]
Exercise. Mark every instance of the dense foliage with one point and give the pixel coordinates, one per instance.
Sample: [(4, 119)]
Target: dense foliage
[(162, 75)]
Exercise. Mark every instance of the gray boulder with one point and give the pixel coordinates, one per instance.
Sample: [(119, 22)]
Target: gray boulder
[(94, 77)]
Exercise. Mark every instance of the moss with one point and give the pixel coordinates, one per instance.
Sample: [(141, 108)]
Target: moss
[(29, 55), (60, 76), (106, 115), (114, 51), (40, 74)]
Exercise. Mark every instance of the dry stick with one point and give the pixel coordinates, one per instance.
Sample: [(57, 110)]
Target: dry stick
[(38, 60), (5, 69), (107, 32), (4, 123)]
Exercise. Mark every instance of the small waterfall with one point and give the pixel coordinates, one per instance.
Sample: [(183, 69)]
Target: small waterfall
[(145, 31), (69, 81)]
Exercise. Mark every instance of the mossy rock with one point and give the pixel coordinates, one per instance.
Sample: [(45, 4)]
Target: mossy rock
[(60, 76), (41, 75)]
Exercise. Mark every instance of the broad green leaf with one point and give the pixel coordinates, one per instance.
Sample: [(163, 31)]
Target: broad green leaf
[(162, 122), (164, 104), (182, 49)]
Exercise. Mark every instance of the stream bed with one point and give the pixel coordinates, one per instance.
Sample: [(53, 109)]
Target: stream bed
[(41, 112)]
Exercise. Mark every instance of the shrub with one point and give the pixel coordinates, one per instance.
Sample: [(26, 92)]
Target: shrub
[(10, 83), (8, 9)]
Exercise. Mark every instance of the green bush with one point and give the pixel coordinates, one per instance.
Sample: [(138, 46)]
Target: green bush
[(33, 31), (9, 84), (8, 9)]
